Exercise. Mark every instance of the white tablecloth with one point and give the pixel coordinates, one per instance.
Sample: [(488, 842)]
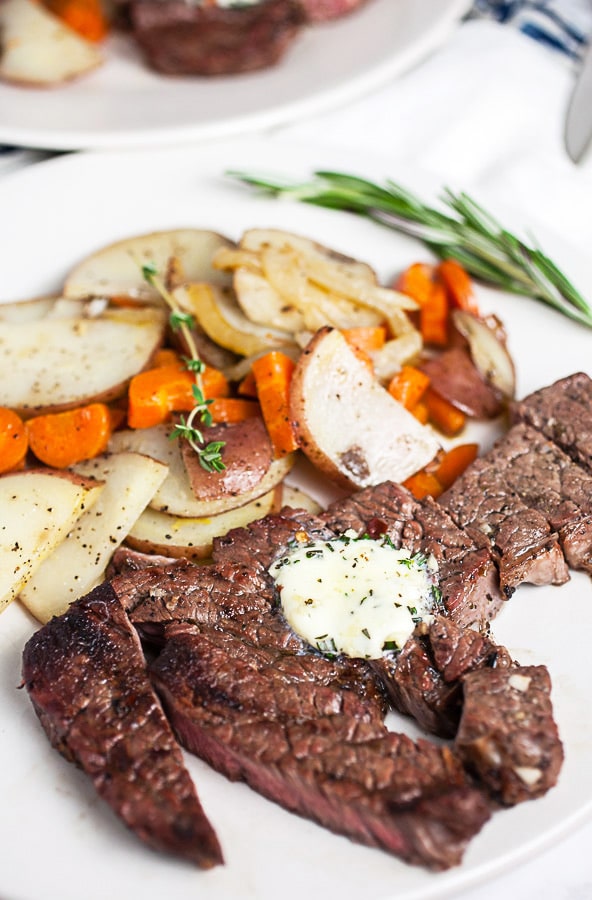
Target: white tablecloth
[(485, 112)]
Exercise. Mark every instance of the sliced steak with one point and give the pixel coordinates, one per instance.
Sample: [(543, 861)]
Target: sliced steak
[(467, 575), (178, 37), (520, 538), (424, 680), (548, 480), (317, 757), (563, 413), (507, 735), (86, 676)]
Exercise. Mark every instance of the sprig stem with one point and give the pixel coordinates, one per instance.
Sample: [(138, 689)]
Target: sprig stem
[(461, 230), (209, 455)]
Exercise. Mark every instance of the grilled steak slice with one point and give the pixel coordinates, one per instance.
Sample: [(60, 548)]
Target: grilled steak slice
[(546, 479), (563, 413), (424, 680), (466, 573), (86, 676), (525, 547), (178, 37), (507, 735), (317, 757)]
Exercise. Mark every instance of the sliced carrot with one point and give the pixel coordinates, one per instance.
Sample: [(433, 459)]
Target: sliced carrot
[(248, 387), (155, 393), (433, 316), (420, 411), (62, 439), (423, 484), (408, 386), (454, 463), (233, 409), (13, 440), (166, 357), (417, 282), (459, 286), (422, 283), (215, 382), (446, 417), (273, 374), (365, 338), (86, 17)]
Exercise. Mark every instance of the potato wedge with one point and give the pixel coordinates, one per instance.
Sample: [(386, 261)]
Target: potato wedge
[(192, 538), (256, 239), (347, 424), (67, 360), (116, 270), (299, 499), (38, 508), (175, 495), (37, 48), (224, 322), (78, 564), (27, 310)]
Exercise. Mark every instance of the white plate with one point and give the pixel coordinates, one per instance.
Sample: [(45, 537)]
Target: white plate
[(123, 104), (58, 839)]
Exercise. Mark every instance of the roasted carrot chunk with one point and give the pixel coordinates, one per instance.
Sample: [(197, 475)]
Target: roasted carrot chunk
[(61, 439), (273, 375), (408, 386), (459, 286), (233, 409), (417, 282), (454, 462), (446, 417), (13, 440), (421, 282), (365, 338), (433, 316), (420, 411), (423, 484), (248, 387), (86, 17), (155, 393)]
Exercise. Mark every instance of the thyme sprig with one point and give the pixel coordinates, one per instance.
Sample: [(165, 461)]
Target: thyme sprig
[(210, 454), (461, 230)]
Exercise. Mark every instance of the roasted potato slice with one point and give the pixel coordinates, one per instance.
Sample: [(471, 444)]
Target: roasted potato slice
[(348, 424), (175, 495), (37, 48), (78, 564), (257, 239), (66, 360), (116, 270), (192, 538), (38, 508)]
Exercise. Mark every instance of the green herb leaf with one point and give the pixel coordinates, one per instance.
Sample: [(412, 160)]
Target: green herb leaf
[(462, 230)]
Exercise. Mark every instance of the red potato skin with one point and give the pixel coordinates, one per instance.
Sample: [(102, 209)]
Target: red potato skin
[(455, 377), (247, 455)]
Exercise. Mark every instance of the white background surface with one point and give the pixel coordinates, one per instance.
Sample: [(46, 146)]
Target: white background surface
[(486, 112)]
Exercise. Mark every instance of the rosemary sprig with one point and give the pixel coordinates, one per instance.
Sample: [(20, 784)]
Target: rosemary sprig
[(209, 455), (461, 230)]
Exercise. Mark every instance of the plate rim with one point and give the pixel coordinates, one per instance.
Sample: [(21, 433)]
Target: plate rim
[(277, 114)]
